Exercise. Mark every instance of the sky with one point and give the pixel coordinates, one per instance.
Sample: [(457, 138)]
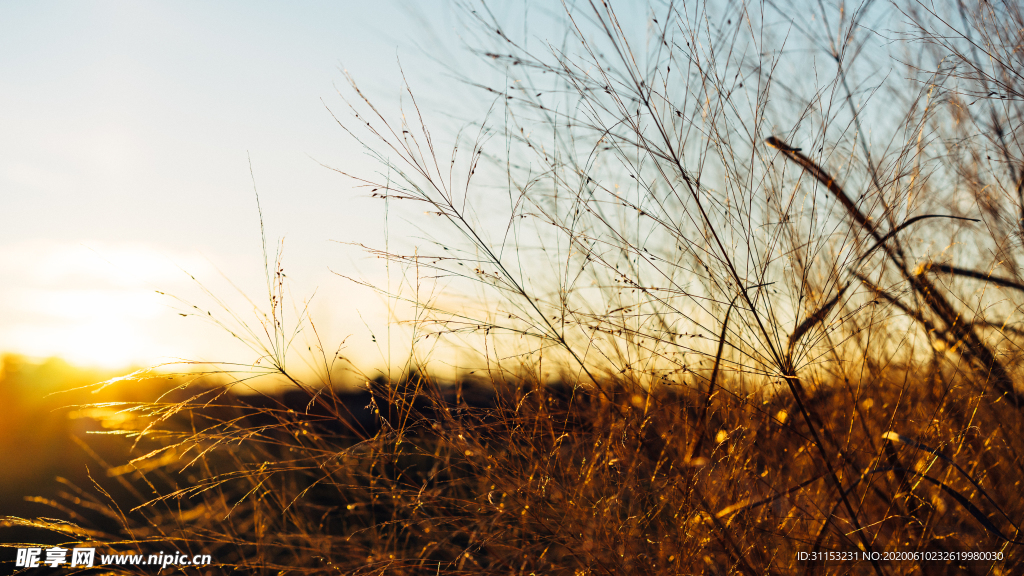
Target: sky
[(127, 134), (133, 134)]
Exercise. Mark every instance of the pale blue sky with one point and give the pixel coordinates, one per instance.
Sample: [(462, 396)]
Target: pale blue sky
[(126, 130), (124, 134), (133, 118)]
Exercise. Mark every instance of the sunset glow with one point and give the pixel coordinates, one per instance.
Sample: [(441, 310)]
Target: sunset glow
[(134, 136), (90, 305)]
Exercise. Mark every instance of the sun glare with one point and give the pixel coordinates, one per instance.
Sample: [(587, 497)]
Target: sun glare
[(115, 306), (94, 342), (92, 305)]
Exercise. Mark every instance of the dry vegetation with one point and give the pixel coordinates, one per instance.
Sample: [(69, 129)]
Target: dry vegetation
[(733, 297)]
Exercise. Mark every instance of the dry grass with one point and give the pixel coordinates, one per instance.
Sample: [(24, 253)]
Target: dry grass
[(713, 327)]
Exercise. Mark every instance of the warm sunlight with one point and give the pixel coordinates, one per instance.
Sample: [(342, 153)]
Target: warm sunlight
[(97, 341), (111, 305), (91, 305)]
